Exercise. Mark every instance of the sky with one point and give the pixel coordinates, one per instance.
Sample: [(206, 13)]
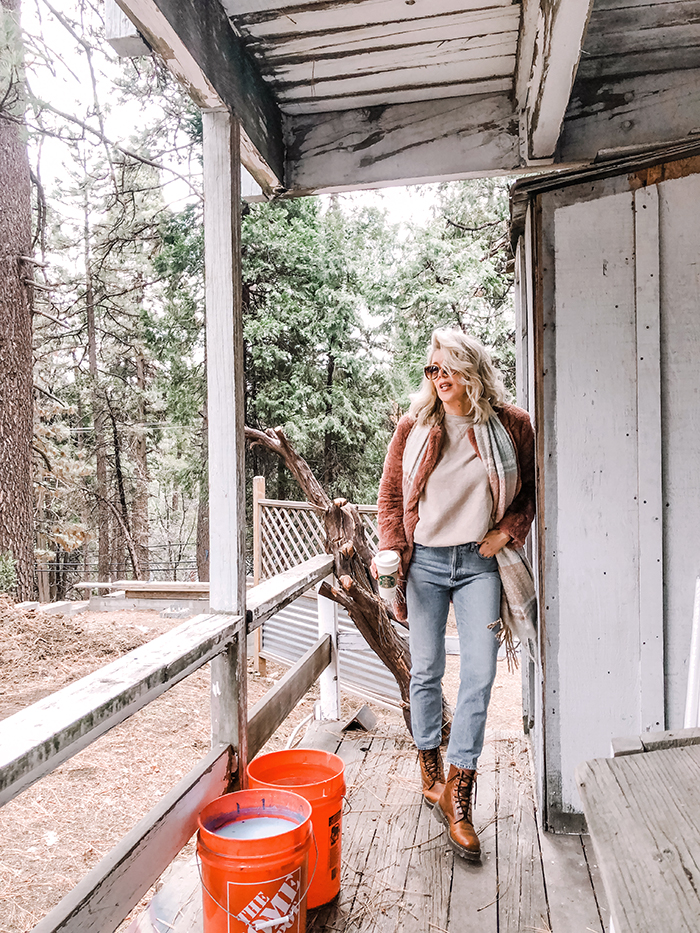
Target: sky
[(59, 74)]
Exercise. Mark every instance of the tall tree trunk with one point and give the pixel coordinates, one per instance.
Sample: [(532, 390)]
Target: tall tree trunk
[(16, 408), (139, 507), (121, 511), (203, 510), (98, 413)]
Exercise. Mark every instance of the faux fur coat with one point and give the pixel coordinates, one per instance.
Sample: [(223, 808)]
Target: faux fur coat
[(398, 500)]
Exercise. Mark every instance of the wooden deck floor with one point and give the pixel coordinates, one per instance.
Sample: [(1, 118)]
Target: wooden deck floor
[(399, 875)]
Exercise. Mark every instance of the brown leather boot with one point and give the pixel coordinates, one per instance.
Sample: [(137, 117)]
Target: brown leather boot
[(454, 809), (432, 774)]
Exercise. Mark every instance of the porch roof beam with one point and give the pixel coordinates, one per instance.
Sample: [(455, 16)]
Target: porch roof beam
[(197, 42), (551, 38), (400, 144)]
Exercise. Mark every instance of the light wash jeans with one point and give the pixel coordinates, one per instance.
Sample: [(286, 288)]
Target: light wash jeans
[(436, 576)]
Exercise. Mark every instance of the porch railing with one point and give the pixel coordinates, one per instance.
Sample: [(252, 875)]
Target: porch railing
[(285, 533), (38, 739)]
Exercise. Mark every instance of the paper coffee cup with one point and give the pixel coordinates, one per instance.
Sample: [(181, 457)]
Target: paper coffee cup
[(387, 564)]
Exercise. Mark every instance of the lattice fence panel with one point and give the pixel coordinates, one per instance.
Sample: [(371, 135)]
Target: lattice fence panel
[(292, 532)]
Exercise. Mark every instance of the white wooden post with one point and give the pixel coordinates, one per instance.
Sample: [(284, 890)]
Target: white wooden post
[(329, 681), (259, 663), (222, 255)]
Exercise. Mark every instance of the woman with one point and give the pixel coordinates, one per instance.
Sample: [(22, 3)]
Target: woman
[(456, 501)]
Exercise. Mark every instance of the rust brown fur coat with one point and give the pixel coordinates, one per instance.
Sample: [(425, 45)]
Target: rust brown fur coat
[(398, 504)]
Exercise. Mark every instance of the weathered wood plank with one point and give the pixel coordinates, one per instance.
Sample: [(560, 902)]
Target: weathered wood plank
[(106, 895), (380, 97), (429, 874), (561, 26), (642, 811), (303, 17), (599, 894), (166, 586), (634, 39), (385, 882), (616, 67), (522, 902), (280, 43), (649, 467), (330, 82), (197, 43), (474, 895), (277, 704), (271, 595), (36, 740), (646, 109), (355, 752), (676, 738), (570, 896), (451, 138)]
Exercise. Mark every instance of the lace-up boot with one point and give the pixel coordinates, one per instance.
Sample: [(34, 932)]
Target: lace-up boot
[(454, 809), (432, 774)]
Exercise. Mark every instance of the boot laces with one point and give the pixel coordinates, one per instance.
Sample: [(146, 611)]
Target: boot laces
[(431, 762), (465, 781)]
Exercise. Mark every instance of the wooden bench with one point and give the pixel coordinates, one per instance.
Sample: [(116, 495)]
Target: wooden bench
[(162, 589), (643, 813)]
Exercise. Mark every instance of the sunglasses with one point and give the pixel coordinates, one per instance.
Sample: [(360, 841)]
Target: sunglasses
[(432, 372)]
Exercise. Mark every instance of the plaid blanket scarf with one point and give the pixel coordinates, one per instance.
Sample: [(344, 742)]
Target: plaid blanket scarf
[(518, 601)]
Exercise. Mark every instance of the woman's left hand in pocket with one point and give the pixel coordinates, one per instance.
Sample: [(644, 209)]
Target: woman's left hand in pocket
[(493, 542)]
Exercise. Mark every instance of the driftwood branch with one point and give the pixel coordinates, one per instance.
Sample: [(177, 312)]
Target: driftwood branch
[(358, 593)]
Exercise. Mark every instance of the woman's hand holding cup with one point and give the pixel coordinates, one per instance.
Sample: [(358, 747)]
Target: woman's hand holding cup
[(385, 569)]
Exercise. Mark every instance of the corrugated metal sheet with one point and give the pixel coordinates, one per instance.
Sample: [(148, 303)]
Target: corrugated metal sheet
[(292, 631)]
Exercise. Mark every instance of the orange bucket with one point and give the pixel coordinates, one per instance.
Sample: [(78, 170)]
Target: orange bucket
[(254, 870), (318, 777)]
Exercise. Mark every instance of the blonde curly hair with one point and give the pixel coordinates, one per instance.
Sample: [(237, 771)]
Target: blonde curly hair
[(470, 361)]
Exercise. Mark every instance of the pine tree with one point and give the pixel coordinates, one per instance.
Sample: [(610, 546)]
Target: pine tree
[(16, 269)]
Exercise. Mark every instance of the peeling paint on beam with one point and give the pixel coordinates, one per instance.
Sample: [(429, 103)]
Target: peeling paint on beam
[(630, 111), (401, 144), (397, 78), (326, 13), (561, 26), (640, 63), (302, 50), (402, 95), (197, 43), (451, 26)]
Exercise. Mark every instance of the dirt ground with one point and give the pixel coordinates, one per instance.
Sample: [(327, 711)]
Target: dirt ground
[(57, 830)]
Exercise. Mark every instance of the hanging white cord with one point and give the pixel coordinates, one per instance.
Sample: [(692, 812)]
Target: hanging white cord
[(298, 728), (692, 698)]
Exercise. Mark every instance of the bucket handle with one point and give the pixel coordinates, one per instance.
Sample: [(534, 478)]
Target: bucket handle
[(260, 925)]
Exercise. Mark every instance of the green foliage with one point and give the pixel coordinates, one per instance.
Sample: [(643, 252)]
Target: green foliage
[(456, 272), (311, 364), (8, 574)]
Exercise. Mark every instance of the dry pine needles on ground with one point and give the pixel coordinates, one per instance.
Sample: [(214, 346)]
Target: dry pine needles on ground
[(57, 830)]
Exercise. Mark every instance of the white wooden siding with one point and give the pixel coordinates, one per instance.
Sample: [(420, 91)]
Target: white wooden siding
[(597, 512), (680, 348), (649, 440)]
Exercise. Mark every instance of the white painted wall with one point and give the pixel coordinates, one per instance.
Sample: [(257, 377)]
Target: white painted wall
[(597, 540), (621, 422), (680, 352)]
